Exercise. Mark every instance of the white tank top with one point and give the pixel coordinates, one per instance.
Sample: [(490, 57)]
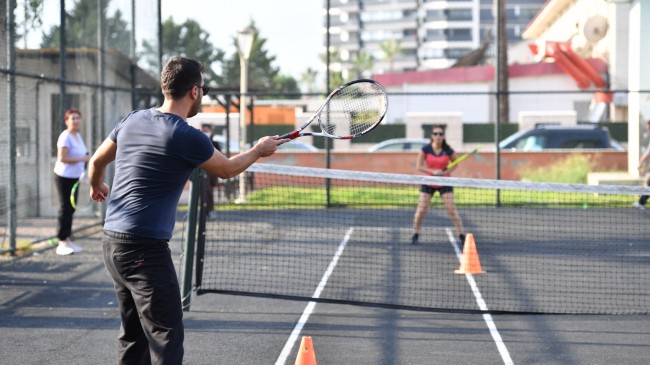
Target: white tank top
[(76, 148)]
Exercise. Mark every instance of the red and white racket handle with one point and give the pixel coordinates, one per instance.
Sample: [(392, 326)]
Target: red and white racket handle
[(291, 135)]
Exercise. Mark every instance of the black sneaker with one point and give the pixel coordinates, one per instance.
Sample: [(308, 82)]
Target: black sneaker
[(414, 239), (462, 238)]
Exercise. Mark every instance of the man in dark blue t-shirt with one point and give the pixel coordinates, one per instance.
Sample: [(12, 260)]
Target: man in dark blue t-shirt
[(155, 151)]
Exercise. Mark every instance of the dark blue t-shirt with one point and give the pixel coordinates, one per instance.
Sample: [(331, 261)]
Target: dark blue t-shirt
[(156, 153)]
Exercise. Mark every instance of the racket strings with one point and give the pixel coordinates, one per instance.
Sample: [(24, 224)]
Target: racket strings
[(354, 110)]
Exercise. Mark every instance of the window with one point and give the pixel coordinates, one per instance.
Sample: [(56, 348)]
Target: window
[(531, 143), (459, 35), (459, 14)]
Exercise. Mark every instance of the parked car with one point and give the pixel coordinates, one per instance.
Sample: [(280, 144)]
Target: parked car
[(400, 144), (561, 137)]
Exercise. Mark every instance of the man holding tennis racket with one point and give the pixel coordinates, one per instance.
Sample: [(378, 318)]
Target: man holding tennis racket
[(434, 159), (155, 151)]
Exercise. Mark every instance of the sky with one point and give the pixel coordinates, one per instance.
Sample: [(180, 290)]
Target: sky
[(293, 28)]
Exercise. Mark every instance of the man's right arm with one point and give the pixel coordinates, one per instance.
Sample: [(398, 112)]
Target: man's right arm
[(104, 155), (225, 168)]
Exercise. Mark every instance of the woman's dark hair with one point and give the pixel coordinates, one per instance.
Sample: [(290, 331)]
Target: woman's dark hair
[(444, 140), (69, 112), (179, 75)]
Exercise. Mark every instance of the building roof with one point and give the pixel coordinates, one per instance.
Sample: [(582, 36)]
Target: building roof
[(473, 74), (116, 61), (546, 15)]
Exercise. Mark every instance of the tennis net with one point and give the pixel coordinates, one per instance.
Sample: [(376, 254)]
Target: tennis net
[(345, 237)]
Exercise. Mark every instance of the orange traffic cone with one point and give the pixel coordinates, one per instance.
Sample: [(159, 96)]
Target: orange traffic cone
[(306, 354), (469, 261)]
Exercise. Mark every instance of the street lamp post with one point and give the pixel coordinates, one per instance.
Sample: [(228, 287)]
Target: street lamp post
[(245, 39)]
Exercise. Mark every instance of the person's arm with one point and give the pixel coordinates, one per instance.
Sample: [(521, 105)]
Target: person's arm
[(104, 155), (225, 168), (643, 158), (62, 156)]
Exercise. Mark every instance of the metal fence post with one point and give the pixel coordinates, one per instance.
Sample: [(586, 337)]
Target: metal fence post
[(189, 241)]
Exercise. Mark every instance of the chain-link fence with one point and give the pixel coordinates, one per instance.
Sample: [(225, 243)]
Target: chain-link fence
[(93, 62)]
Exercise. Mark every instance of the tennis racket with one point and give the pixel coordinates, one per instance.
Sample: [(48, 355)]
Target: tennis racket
[(350, 111), (73, 193), (462, 158)]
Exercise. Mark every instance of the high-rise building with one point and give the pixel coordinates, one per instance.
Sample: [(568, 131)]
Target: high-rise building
[(429, 34)]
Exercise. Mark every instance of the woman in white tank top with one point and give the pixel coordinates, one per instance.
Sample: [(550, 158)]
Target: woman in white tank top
[(70, 163)]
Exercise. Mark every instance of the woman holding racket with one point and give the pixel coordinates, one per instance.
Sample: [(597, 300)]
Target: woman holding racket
[(71, 157), (433, 160)]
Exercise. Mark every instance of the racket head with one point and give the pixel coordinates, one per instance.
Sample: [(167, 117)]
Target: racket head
[(73, 192), (353, 109), (83, 179)]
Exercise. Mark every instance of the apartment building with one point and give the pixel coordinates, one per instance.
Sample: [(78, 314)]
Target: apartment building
[(431, 34)]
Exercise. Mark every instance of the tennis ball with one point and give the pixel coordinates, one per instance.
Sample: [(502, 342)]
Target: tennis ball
[(23, 244)]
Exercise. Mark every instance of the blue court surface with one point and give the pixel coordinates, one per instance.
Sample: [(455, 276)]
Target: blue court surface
[(61, 310)]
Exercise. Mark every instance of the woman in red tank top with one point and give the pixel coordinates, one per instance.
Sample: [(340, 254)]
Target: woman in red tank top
[(433, 160)]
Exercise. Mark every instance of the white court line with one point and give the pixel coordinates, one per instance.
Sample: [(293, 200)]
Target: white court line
[(311, 305), (505, 355)]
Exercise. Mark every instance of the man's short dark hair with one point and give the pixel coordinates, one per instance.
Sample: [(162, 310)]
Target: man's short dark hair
[(179, 75)]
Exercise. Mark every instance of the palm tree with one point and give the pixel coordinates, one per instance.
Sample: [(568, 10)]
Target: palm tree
[(309, 79), (362, 63), (391, 48), (336, 77)]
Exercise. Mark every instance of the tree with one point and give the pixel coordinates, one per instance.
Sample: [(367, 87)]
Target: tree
[(391, 48), (189, 40), (309, 79), (81, 29), (286, 84), (336, 77), (32, 10), (362, 64), (262, 75)]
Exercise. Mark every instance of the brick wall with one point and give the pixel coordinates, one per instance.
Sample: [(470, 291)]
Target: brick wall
[(481, 165)]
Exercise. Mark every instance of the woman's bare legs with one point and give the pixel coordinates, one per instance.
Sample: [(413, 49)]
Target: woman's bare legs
[(448, 199), (420, 212)]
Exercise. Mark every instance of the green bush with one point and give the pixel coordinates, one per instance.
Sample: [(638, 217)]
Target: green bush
[(571, 170)]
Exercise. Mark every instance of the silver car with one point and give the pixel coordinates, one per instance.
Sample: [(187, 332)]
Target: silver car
[(400, 144)]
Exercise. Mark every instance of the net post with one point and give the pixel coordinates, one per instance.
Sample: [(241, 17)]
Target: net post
[(201, 224), (189, 240)]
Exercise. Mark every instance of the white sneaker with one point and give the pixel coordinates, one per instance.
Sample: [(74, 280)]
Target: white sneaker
[(75, 247), (638, 205), (64, 248)]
